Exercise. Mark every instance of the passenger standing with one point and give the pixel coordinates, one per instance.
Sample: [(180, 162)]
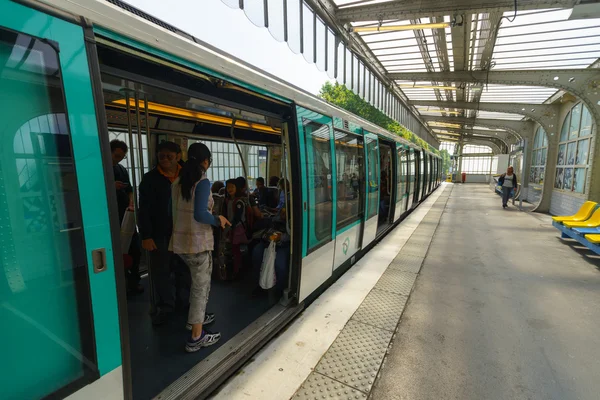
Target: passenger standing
[(124, 190), (508, 181), (192, 238), (156, 225)]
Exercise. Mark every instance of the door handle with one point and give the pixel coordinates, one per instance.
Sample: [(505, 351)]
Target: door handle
[(99, 260)]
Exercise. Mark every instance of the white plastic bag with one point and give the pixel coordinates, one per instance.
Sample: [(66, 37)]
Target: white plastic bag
[(127, 230), (267, 269)]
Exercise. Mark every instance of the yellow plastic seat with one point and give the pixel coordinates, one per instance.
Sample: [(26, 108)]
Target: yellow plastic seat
[(592, 222), (583, 214), (593, 238)]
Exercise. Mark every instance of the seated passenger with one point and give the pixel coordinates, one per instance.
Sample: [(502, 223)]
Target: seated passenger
[(261, 192), (284, 186), (273, 181), (218, 185), (242, 185)]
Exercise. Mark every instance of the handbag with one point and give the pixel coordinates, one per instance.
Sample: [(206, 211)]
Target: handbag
[(127, 230), (267, 268)]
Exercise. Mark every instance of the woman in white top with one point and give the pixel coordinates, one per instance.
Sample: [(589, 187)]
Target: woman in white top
[(508, 181)]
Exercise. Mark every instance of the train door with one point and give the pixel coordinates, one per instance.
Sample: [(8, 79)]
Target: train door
[(387, 153), (424, 174), (58, 297), (418, 177), (350, 190), (401, 186), (432, 173), (410, 170), (372, 188), (318, 199)]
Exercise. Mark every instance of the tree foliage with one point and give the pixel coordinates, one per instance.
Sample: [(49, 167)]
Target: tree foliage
[(446, 162), (346, 99)]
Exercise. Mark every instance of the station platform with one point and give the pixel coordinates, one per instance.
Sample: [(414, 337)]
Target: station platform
[(463, 300)]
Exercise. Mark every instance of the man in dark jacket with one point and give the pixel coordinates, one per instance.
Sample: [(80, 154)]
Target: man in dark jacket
[(124, 190), (156, 225)]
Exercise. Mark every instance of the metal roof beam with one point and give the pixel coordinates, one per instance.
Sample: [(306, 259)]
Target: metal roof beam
[(502, 135), (410, 9), (522, 129), (544, 114), (583, 83)]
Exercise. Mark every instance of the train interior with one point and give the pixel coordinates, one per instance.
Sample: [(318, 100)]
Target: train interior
[(148, 102)]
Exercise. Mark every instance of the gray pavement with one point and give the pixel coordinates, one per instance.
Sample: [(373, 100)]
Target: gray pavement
[(501, 309)]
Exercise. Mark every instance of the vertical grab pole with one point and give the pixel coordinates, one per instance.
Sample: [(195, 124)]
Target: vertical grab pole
[(233, 121)]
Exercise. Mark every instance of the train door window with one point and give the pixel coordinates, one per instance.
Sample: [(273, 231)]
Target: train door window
[(401, 186), (45, 295), (320, 198), (349, 154), (387, 177), (373, 178)]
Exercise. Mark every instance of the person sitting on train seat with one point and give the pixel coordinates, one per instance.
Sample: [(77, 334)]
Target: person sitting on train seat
[(261, 192), (283, 186), (278, 234), (242, 184), (216, 187), (273, 181), (124, 190), (192, 239), (156, 226)]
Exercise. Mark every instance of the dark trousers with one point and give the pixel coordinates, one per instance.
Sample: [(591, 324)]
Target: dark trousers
[(162, 264), (132, 275), (506, 194)]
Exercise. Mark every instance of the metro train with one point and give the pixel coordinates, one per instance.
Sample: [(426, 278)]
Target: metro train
[(74, 76)]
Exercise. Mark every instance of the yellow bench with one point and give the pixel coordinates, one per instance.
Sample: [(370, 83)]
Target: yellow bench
[(592, 222), (583, 214), (593, 238)]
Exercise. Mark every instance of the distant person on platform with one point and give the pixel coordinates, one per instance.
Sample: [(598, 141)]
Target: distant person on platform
[(508, 182), (124, 190)]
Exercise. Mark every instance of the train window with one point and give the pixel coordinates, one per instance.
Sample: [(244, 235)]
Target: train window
[(45, 292), (373, 178), (320, 198), (349, 154), (401, 171)]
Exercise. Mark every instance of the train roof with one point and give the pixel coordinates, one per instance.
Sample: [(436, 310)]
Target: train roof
[(130, 22)]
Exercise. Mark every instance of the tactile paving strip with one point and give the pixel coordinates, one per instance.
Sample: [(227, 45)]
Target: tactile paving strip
[(355, 356), (418, 251), (407, 262), (399, 282), (381, 309), (318, 387)]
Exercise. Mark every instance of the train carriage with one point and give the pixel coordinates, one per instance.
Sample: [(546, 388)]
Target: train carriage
[(74, 77)]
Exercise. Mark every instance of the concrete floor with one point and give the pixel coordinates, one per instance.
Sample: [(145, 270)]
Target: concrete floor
[(502, 309)]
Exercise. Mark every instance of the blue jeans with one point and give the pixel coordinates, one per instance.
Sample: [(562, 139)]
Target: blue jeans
[(281, 263), (506, 194)]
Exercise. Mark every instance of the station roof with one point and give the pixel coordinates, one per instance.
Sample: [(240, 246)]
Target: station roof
[(408, 48)]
